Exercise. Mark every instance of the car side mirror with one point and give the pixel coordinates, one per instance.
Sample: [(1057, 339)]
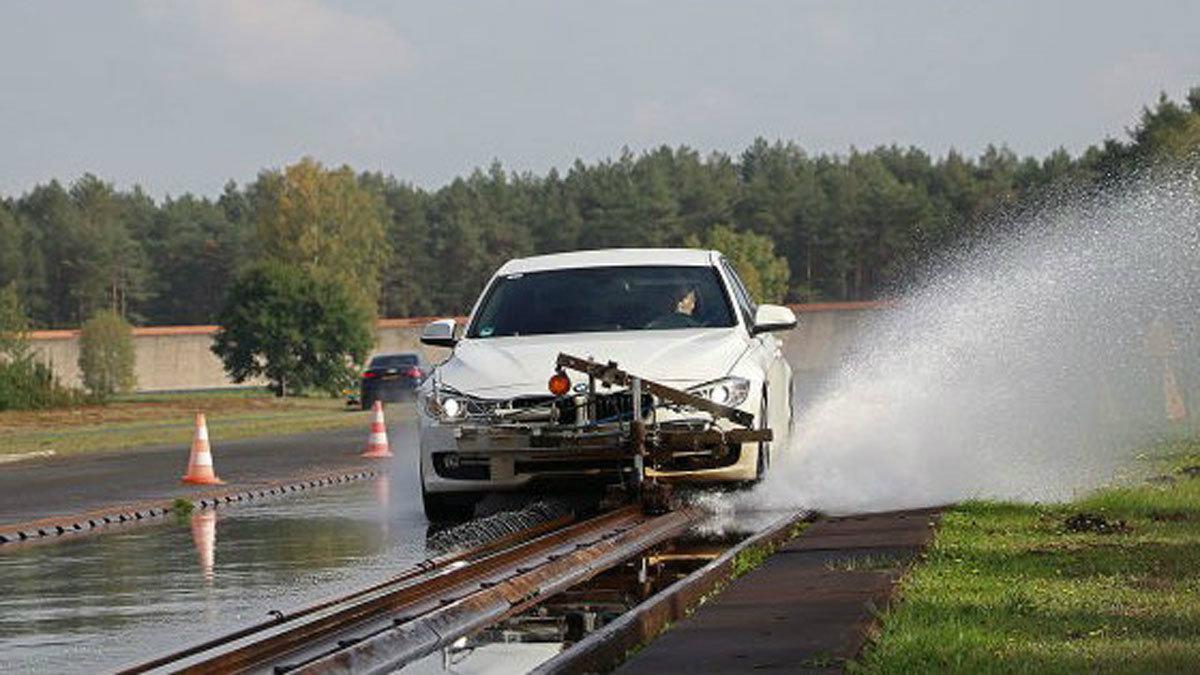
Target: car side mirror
[(769, 318), (439, 333)]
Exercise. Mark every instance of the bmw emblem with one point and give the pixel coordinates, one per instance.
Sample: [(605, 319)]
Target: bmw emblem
[(580, 387)]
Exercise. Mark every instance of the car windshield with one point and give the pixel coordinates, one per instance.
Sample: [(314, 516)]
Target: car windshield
[(394, 361), (594, 299)]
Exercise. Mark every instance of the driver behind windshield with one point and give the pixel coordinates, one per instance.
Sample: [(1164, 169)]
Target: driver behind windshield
[(680, 309)]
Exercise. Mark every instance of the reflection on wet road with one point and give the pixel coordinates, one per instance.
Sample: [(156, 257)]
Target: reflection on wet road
[(99, 602)]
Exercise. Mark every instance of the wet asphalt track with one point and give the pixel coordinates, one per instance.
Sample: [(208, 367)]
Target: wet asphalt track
[(72, 484)]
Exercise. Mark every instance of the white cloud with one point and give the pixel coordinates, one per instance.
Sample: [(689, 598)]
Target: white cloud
[(288, 41)]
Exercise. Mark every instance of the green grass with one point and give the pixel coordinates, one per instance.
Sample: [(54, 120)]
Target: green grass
[(203, 395), (153, 419), (1007, 588), (749, 558)]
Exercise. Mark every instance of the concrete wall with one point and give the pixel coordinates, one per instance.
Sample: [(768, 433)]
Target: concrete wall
[(178, 357), (168, 357)]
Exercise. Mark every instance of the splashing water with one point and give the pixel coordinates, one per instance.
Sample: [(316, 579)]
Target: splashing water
[(1030, 367)]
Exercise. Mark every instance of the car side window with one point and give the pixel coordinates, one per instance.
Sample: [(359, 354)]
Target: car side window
[(745, 304)]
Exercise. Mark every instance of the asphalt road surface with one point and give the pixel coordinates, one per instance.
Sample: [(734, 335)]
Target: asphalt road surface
[(40, 488)]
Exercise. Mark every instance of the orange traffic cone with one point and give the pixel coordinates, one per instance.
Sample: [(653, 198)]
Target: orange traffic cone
[(377, 443), (200, 464)]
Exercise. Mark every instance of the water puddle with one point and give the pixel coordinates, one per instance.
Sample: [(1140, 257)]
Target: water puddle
[(100, 602)]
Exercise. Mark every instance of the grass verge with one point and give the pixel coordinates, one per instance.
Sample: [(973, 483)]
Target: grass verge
[(1109, 583), (152, 419)]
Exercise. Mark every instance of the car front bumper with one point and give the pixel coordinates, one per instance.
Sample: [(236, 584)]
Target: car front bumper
[(494, 460)]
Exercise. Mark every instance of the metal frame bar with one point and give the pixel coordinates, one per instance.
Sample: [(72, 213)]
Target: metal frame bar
[(610, 374)]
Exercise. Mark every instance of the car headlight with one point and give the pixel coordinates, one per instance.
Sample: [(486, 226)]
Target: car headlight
[(728, 391), (451, 407), (445, 405)]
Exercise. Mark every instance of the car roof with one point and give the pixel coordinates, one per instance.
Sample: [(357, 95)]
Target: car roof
[(611, 257)]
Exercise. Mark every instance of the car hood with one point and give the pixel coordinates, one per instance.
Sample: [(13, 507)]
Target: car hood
[(505, 367)]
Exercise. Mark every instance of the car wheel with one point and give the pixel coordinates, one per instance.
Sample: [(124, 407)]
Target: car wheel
[(764, 448), (791, 425)]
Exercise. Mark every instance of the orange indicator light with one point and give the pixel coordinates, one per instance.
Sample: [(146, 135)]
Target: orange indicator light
[(560, 384)]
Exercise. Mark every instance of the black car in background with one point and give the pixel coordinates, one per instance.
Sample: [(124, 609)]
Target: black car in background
[(392, 377)]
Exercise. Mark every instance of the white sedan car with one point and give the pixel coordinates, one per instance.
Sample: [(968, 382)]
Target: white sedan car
[(677, 317)]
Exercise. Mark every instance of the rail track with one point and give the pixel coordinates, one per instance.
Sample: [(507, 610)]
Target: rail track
[(434, 603)]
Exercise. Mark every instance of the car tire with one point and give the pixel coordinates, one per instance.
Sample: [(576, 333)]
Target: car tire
[(764, 448), (791, 425)]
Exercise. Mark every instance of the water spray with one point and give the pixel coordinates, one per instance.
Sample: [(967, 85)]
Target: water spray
[(1030, 367)]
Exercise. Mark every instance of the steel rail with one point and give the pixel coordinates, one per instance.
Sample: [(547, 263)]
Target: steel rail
[(422, 591), (605, 649), (423, 568), (406, 640)]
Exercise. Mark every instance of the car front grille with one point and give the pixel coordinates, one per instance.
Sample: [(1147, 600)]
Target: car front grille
[(609, 408)]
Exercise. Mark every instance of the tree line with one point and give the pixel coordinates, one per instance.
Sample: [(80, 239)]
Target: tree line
[(847, 226)]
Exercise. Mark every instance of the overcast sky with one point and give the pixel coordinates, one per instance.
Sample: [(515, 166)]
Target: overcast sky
[(182, 96)]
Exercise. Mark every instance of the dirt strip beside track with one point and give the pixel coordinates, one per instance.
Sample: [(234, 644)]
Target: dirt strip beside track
[(808, 608)]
